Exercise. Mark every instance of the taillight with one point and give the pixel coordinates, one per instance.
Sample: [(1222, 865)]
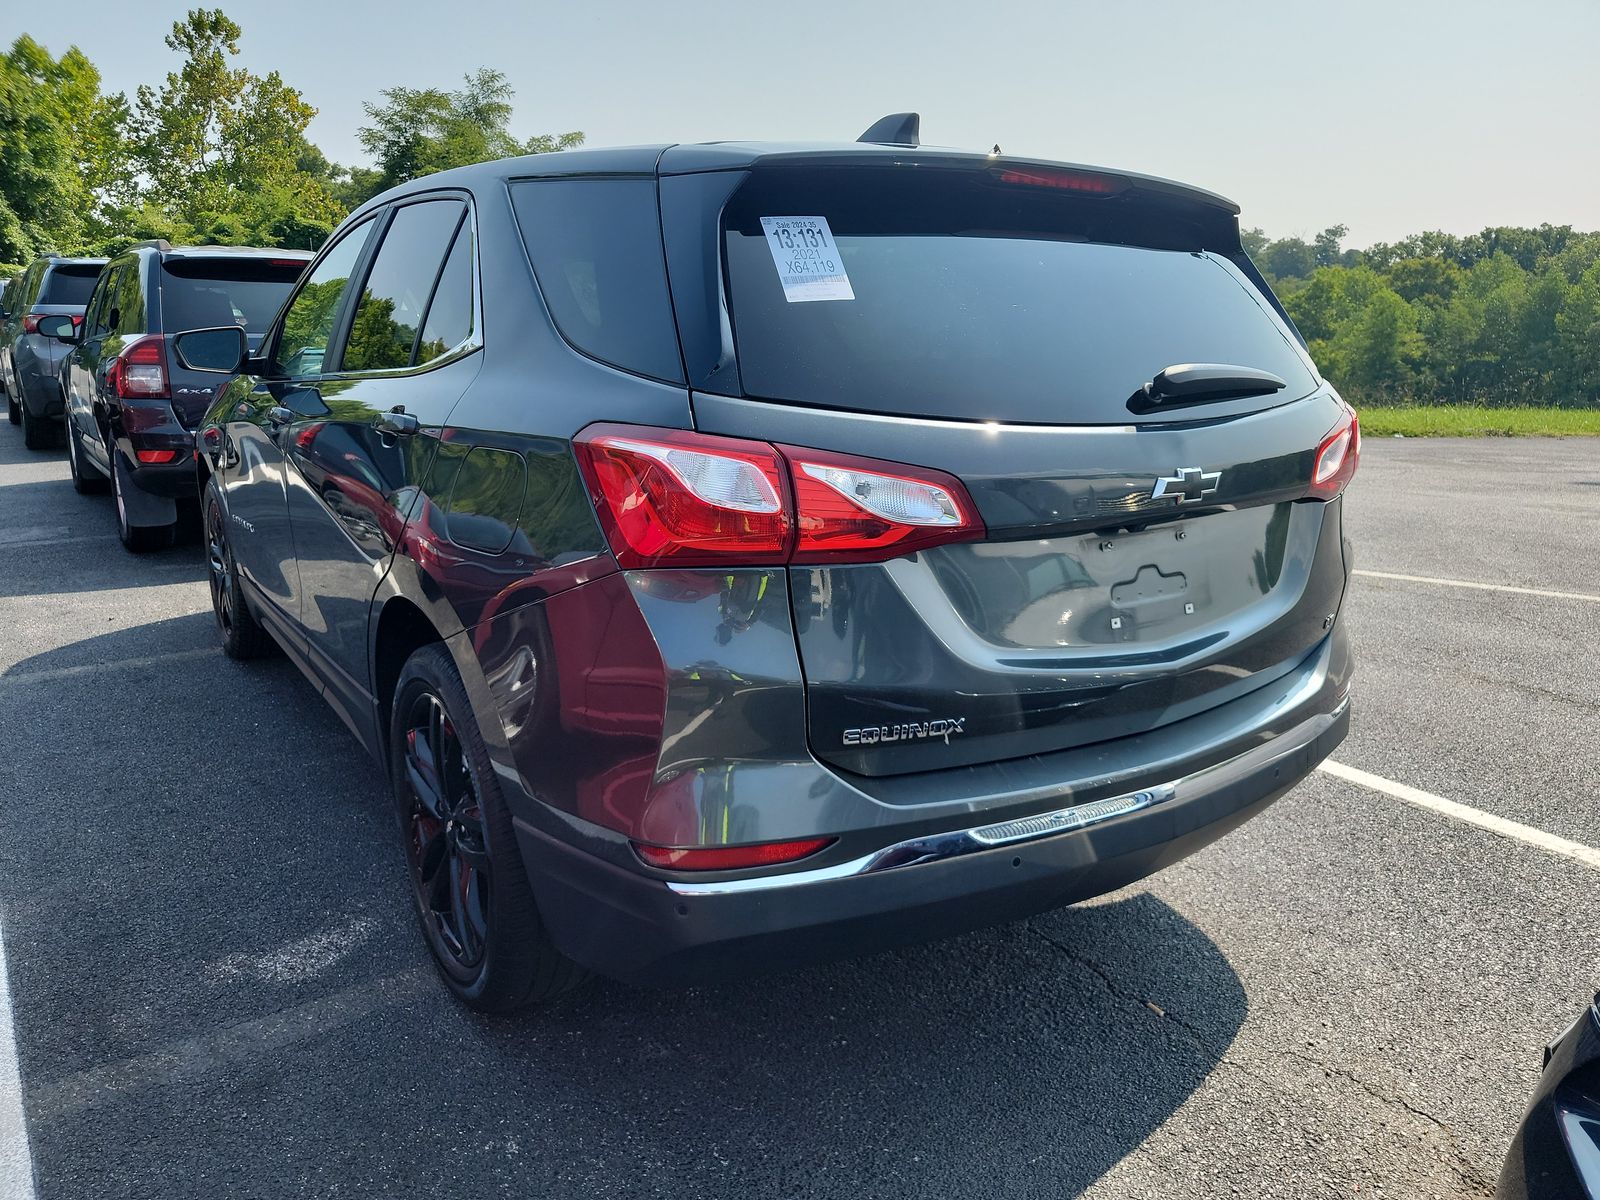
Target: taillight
[(30, 323), (1083, 182), (857, 509), (674, 498), (156, 456), (728, 858), (1337, 457), (140, 371)]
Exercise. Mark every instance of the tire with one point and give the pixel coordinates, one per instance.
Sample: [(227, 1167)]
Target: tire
[(242, 635), (38, 433), (139, 539), (470, 889), (86, 480)]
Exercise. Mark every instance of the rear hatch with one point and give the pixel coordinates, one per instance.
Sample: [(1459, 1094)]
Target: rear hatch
[(1138, 562), (208, 291)]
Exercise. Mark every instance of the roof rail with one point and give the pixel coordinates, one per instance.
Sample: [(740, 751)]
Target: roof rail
[(153, 243), (897, 129)]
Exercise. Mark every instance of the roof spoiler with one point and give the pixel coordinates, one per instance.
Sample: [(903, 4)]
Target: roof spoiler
[(897, 129), (153, 243)]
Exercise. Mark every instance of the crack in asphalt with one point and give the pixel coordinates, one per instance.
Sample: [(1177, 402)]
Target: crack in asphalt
[(1457, 1163)]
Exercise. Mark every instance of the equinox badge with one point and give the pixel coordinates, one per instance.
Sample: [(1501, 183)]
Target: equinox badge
[(1189, 486), (872, 735)]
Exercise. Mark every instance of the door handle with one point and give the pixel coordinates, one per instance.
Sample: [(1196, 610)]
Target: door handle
[(398, 421)]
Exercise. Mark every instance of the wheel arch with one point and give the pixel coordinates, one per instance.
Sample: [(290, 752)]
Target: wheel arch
[(401, 629)]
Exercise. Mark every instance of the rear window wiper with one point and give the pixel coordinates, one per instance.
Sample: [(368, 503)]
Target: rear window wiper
[(1198, 383)]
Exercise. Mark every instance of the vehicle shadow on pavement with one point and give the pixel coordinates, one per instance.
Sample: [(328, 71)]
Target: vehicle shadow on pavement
[(1057, 1045), (220, 989)]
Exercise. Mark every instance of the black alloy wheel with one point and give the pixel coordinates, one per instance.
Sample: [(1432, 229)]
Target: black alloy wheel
[(242, 635), (471, 889), (445, 840)]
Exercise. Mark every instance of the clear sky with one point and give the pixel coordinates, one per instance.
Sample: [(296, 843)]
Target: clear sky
[(1390, 116)]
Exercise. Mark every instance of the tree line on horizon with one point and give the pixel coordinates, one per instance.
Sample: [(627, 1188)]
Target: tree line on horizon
[(214, 152), (217, 153)]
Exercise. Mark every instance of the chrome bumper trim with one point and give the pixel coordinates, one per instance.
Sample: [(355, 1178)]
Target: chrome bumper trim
[(915, 851)]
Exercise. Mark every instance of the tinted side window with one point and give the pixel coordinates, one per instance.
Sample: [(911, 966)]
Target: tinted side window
[(449, 319), (383, 333), (308, 324), (95, 323), (129, 302), (596, 249)]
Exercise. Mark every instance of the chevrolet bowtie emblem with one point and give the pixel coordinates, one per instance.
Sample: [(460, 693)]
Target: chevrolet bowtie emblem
[(1189, 486)]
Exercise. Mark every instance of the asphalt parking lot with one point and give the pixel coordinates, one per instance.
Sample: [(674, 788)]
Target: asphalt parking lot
[(217, 988)]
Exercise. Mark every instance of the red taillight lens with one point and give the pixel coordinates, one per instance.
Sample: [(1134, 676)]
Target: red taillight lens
[(673, 498), (77, 320), (1337, 457), (1063, 181), (156, 456), (859, 509), (30, 323), (728, 858), (140, 371)]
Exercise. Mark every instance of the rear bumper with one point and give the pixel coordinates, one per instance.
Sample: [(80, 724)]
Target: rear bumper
[(640, 927)]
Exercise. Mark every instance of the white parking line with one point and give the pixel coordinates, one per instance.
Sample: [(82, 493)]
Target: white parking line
[(16, 1163), (1482, 587), (1516, 830)]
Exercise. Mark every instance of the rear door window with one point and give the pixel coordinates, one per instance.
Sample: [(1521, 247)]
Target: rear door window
[(208, 293), (69, 284), (596, 248), (394, 298), (128, 301), (977, 300), (449, 320)]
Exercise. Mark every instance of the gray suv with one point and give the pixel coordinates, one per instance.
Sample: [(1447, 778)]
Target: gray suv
[(30, 361), (745, 554)]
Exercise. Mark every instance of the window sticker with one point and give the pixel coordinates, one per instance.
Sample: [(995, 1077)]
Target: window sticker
[(808, 261)]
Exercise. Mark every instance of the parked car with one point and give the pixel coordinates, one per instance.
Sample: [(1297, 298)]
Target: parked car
[(131, 403), (720, 596), (30, 361), (1556, 1153)]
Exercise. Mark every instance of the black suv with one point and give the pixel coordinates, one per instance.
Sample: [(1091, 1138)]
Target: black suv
[(30, 360), (743, 554), (131, 403)]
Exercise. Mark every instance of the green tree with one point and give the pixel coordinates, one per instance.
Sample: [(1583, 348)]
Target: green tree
[(61, 150), (220, 148), (416, 132)]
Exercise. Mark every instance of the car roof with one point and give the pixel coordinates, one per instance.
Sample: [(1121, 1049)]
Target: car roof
[(228, 252), (59, 260), (684, 159)]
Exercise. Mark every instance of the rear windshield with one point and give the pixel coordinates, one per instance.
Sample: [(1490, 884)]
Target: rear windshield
[(956, 295), (69, 283), (204, 293)]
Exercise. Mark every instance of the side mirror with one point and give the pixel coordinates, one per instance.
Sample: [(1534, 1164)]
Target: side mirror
[(220, 351), (60, 328)]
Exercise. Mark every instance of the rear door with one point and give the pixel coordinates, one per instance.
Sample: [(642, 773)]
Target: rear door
[(83, 361), (359, 448), (1139, 563)]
